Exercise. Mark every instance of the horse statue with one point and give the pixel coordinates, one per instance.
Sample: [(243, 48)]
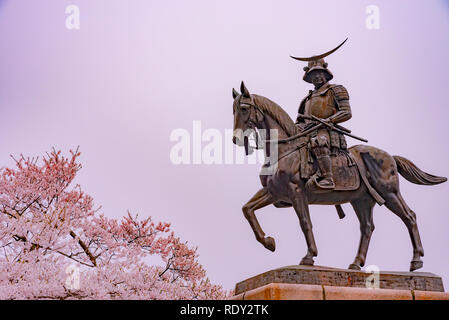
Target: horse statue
[(377, 170)]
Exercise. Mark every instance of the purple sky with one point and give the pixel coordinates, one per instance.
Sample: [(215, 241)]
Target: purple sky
[(136, 71)]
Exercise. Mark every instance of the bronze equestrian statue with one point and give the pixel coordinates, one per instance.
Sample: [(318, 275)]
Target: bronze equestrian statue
[(314, 166)]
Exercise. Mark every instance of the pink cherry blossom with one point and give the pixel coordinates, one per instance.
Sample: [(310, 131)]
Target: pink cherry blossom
[(55, 245)]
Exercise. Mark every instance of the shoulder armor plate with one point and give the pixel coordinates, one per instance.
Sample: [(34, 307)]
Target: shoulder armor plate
[(340, 93)]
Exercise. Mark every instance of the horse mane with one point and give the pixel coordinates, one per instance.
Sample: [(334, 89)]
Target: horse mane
[(277, 113)]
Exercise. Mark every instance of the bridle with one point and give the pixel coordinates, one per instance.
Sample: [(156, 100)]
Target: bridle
[(251, 124), (296, 136)]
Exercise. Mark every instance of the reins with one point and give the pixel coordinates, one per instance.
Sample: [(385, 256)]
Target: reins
[(296, 136)]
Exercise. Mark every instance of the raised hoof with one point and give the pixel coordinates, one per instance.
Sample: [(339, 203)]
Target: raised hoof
[(353, 266), (307, 261), (415, 265), (270, 244)]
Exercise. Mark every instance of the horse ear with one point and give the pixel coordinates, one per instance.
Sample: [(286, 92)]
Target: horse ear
[(244, 90), (234, 93)]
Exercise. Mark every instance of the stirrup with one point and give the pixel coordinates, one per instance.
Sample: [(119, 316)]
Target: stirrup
[(332, 186)]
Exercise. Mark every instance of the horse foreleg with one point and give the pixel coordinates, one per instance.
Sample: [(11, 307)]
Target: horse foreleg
[(302, 210), (261, 199), (364, 211)]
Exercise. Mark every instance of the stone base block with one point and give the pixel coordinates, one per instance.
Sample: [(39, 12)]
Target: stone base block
[(287, 291), (324, 283)]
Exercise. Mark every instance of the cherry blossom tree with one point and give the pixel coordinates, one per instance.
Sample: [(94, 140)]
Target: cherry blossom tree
[(55, 245)]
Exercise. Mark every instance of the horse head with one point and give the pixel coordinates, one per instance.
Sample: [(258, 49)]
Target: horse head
[(247, 119), (258, 116)]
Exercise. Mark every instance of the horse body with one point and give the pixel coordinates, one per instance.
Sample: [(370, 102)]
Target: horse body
[(285, 188)]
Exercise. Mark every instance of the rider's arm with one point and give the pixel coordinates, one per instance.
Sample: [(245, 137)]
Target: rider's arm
[(344, 109)]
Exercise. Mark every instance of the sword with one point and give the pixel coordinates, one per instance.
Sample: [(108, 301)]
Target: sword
[(334, 127), (301, 134)]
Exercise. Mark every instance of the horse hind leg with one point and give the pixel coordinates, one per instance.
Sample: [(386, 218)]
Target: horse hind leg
[(364, 210), (397, 205), (384, 178)]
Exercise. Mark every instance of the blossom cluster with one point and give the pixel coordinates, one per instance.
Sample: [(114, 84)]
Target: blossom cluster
[(47, 227)]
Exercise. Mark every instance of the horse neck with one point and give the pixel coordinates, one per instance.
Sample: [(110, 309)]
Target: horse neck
[(271, 124)]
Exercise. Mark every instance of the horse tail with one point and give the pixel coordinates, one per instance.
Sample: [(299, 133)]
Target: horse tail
[(415, 175)]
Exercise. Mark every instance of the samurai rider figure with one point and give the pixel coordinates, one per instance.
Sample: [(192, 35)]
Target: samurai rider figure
[(330, 103)]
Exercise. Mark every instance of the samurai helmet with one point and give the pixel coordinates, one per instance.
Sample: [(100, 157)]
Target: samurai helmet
[(318, 63)]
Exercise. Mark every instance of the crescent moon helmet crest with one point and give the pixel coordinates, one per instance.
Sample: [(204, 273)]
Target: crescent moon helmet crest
[(321, 56), (318, 63)]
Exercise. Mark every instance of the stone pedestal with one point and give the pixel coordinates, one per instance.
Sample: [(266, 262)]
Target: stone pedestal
[(324, 283)]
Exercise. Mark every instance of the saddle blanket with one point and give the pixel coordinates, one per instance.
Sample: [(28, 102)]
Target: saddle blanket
[(345, 173)]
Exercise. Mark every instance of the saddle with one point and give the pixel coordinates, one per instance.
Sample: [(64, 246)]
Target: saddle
[(347, 171), (344, 171)]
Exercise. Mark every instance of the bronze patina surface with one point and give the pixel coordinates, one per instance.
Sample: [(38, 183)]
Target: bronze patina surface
[(326, 276), (313, 164)]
